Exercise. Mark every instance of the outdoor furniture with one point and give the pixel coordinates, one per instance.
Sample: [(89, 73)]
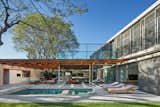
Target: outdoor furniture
[(127, 89), (112, 84), (98, 81), (73, 81), (105, 86), (53, 81), (34, 82)]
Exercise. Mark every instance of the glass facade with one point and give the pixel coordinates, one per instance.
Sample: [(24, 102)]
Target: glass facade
[(110, 76), (158, 23), (125, 38), (122, 73), (144, 34), (150, 32), (118, 47), (136, 38)]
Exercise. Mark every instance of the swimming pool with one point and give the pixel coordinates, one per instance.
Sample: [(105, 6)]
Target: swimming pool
[(52, 91)]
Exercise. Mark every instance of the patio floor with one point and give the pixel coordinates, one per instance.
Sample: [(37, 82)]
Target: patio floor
[(99, 96)]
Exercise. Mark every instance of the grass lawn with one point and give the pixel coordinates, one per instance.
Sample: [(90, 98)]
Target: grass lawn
[(79, 104)]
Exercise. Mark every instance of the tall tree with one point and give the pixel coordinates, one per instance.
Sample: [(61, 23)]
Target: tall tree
[(12, 11), (54, 42)]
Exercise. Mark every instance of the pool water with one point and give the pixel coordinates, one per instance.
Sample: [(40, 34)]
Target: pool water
[(52, 91)]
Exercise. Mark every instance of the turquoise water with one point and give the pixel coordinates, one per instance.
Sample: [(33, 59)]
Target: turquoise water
[(51, 91)]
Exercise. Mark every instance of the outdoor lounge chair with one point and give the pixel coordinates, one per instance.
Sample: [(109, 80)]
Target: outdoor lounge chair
[(105, 86), (112, 84), (127, 89)]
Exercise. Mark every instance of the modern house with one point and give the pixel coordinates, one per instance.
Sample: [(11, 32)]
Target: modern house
[(139, 42), (130, 56)]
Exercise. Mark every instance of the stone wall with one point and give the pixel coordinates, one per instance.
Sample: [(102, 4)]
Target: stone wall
[(149, 75)]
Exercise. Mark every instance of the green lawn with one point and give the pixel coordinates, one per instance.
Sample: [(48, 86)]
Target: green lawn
[(79, 104)]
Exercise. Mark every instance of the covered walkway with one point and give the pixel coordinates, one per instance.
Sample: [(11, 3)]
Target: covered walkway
[(56, 63), (62, 64)]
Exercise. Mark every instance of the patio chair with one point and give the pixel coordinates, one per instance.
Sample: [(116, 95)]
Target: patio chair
[(127, 89)]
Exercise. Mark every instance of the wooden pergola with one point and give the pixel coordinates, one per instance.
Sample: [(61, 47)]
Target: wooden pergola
[(63, 63)]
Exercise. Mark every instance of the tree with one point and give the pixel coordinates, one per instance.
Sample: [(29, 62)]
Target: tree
[(12, 11), (47, 44)]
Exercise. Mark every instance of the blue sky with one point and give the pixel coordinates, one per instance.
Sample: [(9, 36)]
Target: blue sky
[(103, 20)]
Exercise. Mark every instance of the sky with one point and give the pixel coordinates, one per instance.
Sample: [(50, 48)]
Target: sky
[(104, 19)]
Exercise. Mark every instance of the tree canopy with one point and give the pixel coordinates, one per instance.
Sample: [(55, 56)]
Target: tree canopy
[(49, 42), (12, 11)]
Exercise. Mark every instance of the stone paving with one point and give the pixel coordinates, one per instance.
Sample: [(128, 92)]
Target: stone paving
[(99, 95)]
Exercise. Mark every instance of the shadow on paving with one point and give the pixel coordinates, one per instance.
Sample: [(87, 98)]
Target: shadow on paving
[(41, 105), (120, 104)]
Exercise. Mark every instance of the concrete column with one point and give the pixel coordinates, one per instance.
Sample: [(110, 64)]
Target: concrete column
[(127, 73), (35, 75), (90, 74), (1, 75), (59, 71)]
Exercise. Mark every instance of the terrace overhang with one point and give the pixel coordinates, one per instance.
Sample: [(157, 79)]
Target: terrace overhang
[(56, 63)]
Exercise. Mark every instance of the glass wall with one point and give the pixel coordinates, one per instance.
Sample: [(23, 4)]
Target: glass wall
[(121, 73), (136, 38), (104, 53), (125, 43), (140, 36), (132, 72), (110, 75), (150, 36), (119, 50), (113, 49), (158, 23)]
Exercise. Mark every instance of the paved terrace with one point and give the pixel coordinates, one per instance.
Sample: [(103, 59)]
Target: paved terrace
[(99, 96)]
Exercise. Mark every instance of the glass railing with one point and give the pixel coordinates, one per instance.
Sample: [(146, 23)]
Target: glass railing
[(84, 51)]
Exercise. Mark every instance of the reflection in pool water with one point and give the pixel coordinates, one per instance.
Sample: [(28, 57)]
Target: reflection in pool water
[(52, 91)]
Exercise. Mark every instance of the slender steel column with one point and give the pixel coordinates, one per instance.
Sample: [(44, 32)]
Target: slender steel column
[(89, 74), (92, 73), (59, 71)]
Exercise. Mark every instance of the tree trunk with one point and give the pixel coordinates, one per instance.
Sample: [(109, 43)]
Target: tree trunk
[(1, 43)]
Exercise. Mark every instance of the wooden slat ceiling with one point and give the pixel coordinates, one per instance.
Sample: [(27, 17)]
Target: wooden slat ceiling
[(55, 63)]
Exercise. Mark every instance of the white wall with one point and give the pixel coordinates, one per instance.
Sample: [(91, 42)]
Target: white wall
[(14, 70), (35, 75), (13, 79)]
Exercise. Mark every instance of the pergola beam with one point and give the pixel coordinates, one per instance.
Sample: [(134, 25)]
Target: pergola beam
[(54, 63)]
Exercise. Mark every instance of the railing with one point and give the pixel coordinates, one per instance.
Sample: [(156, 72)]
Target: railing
[(84, 51)]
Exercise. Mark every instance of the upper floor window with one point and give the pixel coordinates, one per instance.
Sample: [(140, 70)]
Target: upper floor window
[(119, 47), (150, 35), (158, 23), (126, 42), (136, 38)]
